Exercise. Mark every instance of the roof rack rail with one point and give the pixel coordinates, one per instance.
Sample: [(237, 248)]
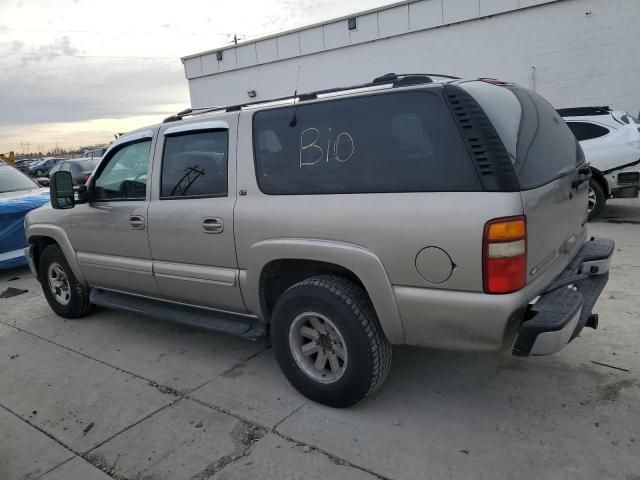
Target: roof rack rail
[(583, 111), (396, 80)]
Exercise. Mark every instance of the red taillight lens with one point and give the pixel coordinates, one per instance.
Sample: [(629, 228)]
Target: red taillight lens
[(85, 177), (505, 255)]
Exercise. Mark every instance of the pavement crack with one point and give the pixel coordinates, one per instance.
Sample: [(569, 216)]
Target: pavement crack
[(234, 366), (244, 436), (130, 426), (44, 432)]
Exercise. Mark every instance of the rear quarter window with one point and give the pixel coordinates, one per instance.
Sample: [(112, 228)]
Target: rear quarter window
[(587, 131), (540, 144), (400, 142)]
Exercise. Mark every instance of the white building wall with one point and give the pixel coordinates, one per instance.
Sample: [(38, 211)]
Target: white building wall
[(574, 52)]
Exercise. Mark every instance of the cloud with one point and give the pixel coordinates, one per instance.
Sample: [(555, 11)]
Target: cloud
[(92, 63), (59, 47)]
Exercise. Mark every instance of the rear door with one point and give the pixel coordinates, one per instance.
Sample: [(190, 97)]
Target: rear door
[(546, 157), (191, 229)]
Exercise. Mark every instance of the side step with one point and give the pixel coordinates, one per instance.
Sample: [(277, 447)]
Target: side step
[(240, 325)]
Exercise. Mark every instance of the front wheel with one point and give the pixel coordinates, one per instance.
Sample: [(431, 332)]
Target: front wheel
[(597, 199), (65, 295), (328, 342)]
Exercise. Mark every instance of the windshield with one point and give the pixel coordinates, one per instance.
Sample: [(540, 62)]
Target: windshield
[(12, 180)]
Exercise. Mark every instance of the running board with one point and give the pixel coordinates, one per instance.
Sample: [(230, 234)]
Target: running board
[(240, 325)]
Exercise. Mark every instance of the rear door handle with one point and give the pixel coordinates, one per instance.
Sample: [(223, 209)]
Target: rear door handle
[(136, 222), (212, 225)]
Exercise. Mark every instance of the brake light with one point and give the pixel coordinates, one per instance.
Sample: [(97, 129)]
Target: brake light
[(504, 255), (85, 177)]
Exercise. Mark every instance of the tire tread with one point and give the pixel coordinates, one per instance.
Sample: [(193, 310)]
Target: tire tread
[(358, 301)]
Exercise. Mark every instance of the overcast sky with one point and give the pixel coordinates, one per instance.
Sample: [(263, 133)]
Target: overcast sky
[(73, 72)]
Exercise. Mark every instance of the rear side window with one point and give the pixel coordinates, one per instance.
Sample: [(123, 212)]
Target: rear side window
[(401, 142), (195, 165), (540, 144), (587, 131)]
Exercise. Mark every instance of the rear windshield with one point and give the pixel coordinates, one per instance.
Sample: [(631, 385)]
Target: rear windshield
[(87, 165), (400, 142), (541, 146), (12, 180)]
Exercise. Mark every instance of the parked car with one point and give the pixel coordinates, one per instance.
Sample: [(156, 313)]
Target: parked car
[(80, 168), (611, 143), (42, 167), (416, 209), (18, 195), (95, 154), (23, 163)]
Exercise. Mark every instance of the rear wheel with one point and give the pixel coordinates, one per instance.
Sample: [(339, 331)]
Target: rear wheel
[(597, 199), (328, 341), (65, 295)]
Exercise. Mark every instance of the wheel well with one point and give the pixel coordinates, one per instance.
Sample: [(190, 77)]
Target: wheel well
[(278, 275), (39, 244), (599, 177)]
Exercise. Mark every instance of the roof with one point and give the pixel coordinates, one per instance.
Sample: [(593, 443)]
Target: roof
[(390, 80)]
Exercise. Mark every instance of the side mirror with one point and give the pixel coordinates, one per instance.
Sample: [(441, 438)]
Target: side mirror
[(43, 181), (61, 190)]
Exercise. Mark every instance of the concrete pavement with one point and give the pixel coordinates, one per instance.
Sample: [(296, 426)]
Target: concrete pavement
[(121, 396)]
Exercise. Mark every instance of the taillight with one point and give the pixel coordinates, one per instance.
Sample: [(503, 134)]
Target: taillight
[(85, 177), (504, 255)]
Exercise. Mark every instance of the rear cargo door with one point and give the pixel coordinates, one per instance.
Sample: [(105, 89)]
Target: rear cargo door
[(547, 160)]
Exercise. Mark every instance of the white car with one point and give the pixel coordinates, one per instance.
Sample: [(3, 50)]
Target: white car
[(611, 143)]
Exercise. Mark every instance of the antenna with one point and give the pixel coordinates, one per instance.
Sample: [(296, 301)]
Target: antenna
[(294, 118)]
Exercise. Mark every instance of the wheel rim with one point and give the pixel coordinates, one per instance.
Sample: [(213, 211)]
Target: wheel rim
[(318, 347), (59, 284), (593, 200)]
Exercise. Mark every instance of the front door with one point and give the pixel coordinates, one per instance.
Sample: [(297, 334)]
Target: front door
[(191, 215), (109, 233)]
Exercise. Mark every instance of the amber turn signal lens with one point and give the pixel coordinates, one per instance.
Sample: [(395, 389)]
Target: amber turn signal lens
[(505, 231)]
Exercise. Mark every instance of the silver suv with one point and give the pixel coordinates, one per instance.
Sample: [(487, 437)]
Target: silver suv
[(420, 209)]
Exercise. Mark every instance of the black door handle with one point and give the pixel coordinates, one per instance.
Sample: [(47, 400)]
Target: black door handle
[(584, 176)]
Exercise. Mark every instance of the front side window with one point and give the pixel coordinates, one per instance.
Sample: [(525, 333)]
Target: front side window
[(587, 131), (125, 175), (55, 168), (194, 164), (400, 142)]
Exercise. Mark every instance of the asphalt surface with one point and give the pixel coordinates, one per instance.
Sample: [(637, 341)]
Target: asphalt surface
[(121, 396)]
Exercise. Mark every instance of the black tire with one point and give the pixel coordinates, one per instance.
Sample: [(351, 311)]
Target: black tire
[(599, 196), (348, 307), (78, 304)]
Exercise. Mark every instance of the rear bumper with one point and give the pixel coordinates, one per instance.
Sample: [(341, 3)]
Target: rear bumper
[(564, 308)]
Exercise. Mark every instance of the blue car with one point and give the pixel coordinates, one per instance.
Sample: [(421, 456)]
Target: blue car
[(18, 196)]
